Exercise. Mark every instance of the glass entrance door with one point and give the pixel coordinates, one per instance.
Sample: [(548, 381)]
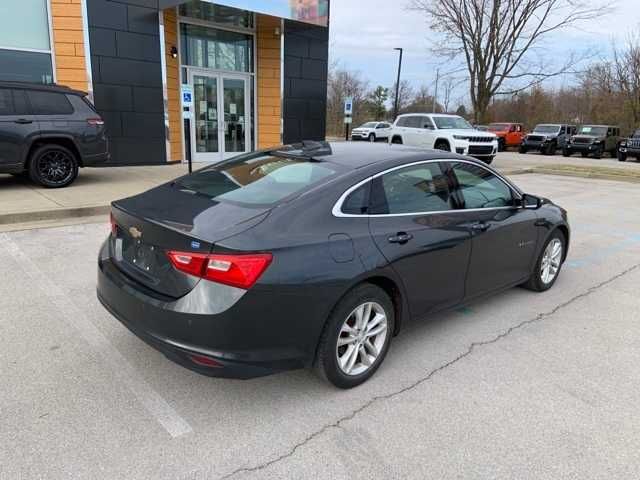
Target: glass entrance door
[(221, 127), (205, 135)]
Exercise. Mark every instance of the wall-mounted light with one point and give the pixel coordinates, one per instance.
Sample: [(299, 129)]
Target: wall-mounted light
[(276, 32), (174, 52)]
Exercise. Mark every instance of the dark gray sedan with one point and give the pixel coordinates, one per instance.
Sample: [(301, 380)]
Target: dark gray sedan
[(315, 255)]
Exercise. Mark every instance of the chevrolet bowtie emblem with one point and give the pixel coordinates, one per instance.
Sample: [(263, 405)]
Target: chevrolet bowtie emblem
[(134, 232)]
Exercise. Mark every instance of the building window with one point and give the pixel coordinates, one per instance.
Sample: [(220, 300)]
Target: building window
[(219, 14), (25, 43), (216, 49)]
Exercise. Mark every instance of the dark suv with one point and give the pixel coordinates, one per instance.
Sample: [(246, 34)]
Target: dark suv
[(630, 147), (547, 138), (49, 132), (594, 140)]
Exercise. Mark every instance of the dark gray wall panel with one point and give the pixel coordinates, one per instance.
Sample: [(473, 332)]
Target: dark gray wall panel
[(127, 78), (305, 81)]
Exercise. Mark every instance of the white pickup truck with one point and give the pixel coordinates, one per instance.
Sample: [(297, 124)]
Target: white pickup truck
[(451, 133)]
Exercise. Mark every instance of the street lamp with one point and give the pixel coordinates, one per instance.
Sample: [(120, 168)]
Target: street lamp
[(395, 106)]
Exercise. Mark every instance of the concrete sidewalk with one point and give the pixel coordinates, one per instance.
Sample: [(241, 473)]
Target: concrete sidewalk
[(22, 203)]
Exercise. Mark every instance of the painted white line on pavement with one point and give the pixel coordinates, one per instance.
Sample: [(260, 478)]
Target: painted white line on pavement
[(173, 423)]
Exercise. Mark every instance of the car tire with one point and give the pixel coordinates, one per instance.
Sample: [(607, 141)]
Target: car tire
[(501, 145), (622, 157), (53, 166), (584, 154), (537, 282), (488, 160), (442, 145), (598, 153), (565, 153), (372, 137), (336, 341), (522, 150), (550, 149)]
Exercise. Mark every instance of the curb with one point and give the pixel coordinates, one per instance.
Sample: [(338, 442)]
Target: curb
[(55, 214)]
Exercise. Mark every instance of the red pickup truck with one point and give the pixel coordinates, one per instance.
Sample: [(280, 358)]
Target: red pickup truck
[(509, 134)]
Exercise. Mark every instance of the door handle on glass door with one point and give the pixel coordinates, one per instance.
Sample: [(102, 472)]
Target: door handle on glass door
[(400, 237)]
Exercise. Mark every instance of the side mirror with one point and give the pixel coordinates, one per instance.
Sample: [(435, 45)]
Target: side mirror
[(531, 201)]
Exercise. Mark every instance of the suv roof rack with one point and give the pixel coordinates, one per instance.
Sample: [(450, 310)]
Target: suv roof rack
[(306, 150)]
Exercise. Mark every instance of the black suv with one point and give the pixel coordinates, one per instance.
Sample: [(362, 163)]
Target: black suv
[(547, 138), (49, 132), (630, 147)]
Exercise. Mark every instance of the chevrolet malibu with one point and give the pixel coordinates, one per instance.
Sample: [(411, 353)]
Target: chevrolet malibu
[(315, 255)]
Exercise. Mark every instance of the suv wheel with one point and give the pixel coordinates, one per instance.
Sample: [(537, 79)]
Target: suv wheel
[(502, 145), (565, 152), (356, 337), (53, 166), (522, 149), (598, 153), (372, 137), (442, 145), (622, 157), (550, 149), (488, 160)]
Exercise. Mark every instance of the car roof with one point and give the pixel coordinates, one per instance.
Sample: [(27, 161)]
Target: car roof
[(355, 155), (427, 113), (42, 87), (598, 125)]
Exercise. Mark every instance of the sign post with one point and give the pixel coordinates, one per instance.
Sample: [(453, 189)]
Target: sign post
[(348, 116), (187, 105)]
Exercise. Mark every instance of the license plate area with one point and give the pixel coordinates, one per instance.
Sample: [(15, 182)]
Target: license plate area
[(141, 255)]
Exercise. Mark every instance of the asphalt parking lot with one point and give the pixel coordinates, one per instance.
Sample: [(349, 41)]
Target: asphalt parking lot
[(523, 385)]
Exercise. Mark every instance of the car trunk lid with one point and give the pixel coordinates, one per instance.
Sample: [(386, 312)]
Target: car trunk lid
[(168, 219)]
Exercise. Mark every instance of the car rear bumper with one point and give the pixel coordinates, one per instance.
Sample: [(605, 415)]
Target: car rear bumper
[(233, 338), (96, 160)]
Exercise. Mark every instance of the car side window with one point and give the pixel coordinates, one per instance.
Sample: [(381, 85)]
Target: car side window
[(49, 103), (6, 102), (415, 189), (479, 188), (12, 102), (357, 203), (413, 122), (426, 123)]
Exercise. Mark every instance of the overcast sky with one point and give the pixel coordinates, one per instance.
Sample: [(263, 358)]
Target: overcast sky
[(364, 33)]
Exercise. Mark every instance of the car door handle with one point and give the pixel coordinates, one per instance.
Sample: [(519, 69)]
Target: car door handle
[(400, 238), (23, 121), (480, 227)]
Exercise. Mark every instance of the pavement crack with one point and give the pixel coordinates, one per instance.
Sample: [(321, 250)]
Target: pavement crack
[(470, 349)]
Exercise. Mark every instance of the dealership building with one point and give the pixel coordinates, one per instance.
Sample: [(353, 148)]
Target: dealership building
[(177, 80)]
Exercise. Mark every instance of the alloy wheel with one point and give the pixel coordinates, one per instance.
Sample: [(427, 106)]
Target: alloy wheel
[(361, 338), (55, 167), (551, 260)]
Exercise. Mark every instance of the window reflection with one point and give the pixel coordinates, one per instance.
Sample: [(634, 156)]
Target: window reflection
[(217, 49)]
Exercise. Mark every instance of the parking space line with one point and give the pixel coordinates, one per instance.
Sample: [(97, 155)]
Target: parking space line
[(152, 401)]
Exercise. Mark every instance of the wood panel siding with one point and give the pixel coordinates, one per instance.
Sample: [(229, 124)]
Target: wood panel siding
[(68, 43), (173, 84), (269, 81)]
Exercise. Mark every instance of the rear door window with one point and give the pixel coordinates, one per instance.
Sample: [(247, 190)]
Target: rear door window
[(257, 179), (415, 189), (12, 102), (49, 103)]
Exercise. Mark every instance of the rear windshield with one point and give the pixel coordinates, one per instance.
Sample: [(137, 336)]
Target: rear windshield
[(258, 179)]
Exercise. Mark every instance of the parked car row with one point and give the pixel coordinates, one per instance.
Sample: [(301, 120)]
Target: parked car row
[(453, 133)]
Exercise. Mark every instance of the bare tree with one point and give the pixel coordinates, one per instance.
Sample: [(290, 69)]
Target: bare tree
[(498, 39), (405, 96), (343, 83), (626, 66)]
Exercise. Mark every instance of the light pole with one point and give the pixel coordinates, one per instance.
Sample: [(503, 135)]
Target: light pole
[(395, 105)]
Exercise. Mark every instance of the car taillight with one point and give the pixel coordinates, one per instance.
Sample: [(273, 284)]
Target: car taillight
[(240, 271), (95, 121), (114, 225)]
